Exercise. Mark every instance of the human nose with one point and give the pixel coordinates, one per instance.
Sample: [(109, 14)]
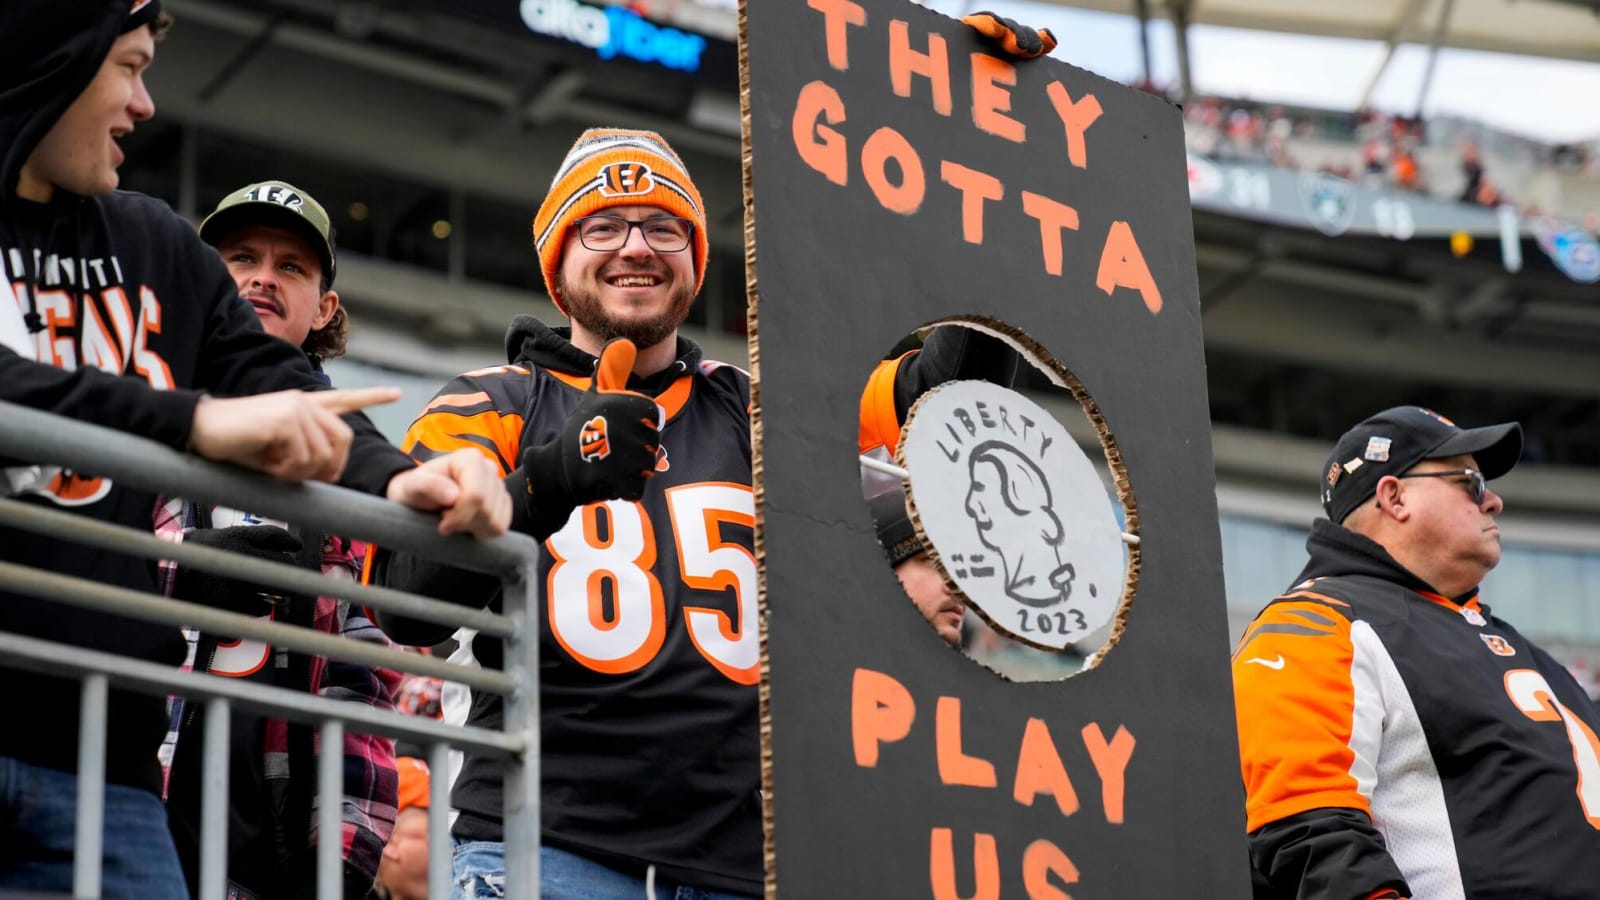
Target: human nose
[(635, 246), (141, 106), (1492, 503)]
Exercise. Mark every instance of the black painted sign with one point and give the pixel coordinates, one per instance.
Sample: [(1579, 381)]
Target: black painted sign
[(903, 174)]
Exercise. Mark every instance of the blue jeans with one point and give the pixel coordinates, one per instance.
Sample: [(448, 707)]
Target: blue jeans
[(38, 814), (480, 873)]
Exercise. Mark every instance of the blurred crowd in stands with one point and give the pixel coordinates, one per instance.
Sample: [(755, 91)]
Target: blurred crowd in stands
[(1445, 158)]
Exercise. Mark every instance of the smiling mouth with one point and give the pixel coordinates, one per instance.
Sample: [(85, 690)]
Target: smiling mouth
[(634, 280)]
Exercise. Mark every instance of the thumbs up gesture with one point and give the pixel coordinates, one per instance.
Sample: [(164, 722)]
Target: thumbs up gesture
[(606, 449)]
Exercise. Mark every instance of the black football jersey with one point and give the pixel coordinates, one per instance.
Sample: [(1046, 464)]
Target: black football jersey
[(649, 650)]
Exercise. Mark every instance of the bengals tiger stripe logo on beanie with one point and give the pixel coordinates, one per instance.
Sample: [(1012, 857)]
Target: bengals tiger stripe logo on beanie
[(609, 167)]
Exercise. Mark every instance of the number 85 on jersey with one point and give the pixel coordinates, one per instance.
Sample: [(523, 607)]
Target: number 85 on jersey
[(611, 547)]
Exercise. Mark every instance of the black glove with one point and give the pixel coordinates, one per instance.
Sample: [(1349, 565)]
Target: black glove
[(953, 352), (1017, 40), (606, 450), (267, 542)]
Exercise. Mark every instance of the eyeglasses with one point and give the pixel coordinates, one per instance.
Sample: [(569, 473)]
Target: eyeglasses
[(663, 234), (1475, 484)]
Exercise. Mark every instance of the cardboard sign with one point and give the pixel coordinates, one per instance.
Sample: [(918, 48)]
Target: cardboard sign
[(899, 174)]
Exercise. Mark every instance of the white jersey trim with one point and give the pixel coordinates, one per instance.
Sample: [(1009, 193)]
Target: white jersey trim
[(1408, 805)]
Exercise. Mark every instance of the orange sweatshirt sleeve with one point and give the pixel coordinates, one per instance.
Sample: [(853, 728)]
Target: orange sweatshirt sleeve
[(880, 426)]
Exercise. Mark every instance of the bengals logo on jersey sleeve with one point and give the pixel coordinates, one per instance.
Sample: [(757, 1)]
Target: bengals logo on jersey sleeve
[(593, 440), (1498, 645), (626, 179)]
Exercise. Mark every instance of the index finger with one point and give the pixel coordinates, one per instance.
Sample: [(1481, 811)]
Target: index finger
[(352, 400)]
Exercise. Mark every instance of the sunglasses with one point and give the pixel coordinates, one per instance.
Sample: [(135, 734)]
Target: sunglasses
[(1475, 484)]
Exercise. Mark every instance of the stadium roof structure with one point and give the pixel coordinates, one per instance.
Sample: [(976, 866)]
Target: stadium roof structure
[(1562, 29), (422, 113)]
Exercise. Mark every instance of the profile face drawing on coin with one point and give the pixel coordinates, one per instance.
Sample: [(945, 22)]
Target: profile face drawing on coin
[(1013, 512)]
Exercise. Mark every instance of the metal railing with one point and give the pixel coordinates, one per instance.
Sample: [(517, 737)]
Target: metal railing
[(35, 437)]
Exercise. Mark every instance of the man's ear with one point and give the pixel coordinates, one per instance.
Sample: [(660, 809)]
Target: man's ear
[(326, 307), (1390, 497)]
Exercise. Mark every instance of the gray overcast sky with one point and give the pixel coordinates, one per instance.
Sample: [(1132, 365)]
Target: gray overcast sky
[(1549, 100)]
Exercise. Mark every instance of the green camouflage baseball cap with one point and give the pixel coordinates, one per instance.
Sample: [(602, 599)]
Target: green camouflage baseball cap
[(276, 204)]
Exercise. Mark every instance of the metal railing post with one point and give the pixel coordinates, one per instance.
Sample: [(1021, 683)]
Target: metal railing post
[(330, 805), (520, 598), (86, 858), (440, 874), (214, 799)]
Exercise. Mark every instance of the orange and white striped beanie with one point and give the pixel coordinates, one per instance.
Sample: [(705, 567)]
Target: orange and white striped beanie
[(609, 167)]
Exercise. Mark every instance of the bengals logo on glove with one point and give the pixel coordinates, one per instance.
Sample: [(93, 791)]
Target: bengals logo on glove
[(593, 443), (607, 448)]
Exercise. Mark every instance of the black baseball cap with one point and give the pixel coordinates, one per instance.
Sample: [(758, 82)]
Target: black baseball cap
[(1394, 440), (276, 204), (896, 534)]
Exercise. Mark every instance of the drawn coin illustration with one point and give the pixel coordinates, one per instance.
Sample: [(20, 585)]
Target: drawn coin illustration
[(1013, 512)]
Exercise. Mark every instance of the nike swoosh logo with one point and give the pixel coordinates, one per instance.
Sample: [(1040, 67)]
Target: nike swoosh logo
[(1275, 663)]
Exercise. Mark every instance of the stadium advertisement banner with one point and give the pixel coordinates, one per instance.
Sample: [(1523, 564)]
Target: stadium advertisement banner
[(1338, 206), (1329, 203), (901, 172), (611, 31)]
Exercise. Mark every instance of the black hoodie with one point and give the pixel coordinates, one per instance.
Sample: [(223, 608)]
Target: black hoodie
[(1336, 550), (134, 317)]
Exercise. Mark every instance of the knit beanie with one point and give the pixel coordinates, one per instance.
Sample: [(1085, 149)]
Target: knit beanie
[(615, 167), (414, 779)]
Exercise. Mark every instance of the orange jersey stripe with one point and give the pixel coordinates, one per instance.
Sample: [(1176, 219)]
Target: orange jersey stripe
[(1447, 603), (495, 434), (1296, 703), (1314, 596), (671, 400), (457, 401), (581, 382)]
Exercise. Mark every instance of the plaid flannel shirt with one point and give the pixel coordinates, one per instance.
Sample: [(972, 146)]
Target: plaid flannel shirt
[(371, 783)]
